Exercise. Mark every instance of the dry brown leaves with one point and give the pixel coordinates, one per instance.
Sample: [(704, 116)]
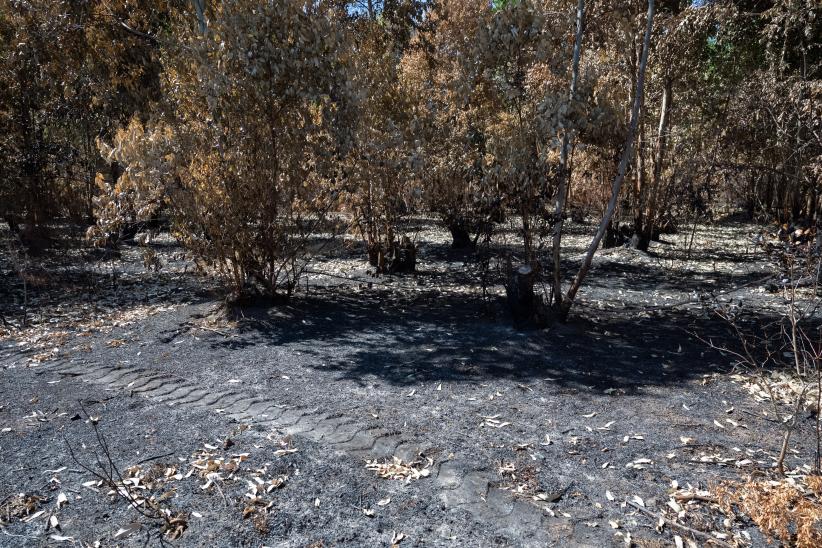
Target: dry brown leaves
[(522, 480), (175, 524), (71, 326), (152, 487), (19, 507), (217, 469), (784, 386), (789, 510)]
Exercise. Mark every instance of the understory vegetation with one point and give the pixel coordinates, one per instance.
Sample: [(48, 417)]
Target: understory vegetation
[(246, 126)]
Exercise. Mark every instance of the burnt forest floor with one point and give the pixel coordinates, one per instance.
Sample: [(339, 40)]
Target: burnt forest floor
[(274, 426)]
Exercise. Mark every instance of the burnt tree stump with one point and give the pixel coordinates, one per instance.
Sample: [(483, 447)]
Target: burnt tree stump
[(399, 258), (527, 308), (403, 257), (460, 237)]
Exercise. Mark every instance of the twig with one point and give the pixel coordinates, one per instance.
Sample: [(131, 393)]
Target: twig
[(728, 464), (8, 498), (699, 534), (760, 417), (18, 536), (226, 335), (47, 525), (127, 28), (347, 278), (108, 472), (149, 459), (685, 497), (225, 500), (698, 445)]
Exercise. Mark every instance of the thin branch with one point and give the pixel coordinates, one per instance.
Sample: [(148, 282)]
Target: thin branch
[(708, 538)]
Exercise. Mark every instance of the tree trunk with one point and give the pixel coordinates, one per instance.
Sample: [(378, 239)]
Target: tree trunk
[(564, 173), (645, 232), (641, 182), (616, 234), (627, 152)]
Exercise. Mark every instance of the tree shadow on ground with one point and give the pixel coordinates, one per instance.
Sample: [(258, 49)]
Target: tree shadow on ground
[(643, 277), (368, 335), (436, 327), (428, 328)]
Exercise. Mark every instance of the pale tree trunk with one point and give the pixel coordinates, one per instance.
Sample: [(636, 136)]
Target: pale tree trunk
[(640, 185), (646, 232), (627, 152), (664, 124), (564, 174), (641, 182)]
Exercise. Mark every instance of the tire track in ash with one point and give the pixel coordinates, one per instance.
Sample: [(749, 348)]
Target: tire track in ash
[(458, 483)]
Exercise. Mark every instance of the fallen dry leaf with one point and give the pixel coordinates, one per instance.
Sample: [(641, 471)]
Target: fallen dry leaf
[(128, 530), (397, 469)]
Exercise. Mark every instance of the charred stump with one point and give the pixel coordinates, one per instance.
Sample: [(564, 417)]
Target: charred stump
[(376, 256), (403, 257), (36, 239), (527, 308), (460, 237), (14, 225), (616, 234), (641, 240), (399, 258)]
